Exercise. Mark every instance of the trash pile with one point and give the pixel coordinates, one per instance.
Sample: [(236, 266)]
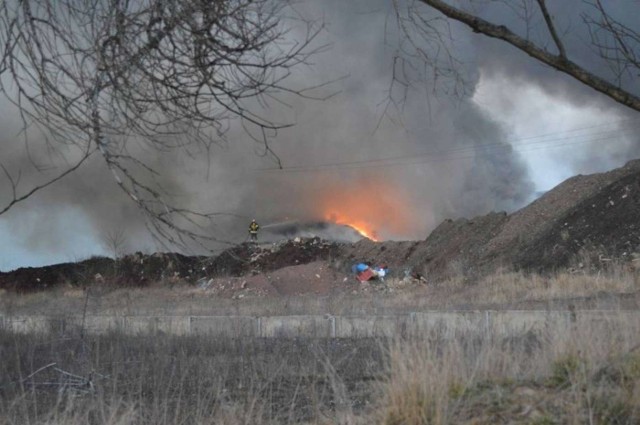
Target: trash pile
[(593, 217), (259, 258), (365, 272), (142, 269)]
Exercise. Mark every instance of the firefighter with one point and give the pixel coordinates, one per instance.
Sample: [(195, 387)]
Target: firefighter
[(253, 230)]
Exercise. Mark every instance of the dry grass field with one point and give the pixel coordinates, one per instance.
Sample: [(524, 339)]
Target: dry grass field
[(616, 287), (589, 374)]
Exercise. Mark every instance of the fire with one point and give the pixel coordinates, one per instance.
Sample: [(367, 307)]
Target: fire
[(374, 208), (359, 226), (364, 232)]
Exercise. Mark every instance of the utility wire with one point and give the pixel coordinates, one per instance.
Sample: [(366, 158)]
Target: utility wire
[(527, 144)]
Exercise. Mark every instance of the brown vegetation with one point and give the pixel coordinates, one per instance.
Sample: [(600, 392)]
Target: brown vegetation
[(315, 288), (587, 374)]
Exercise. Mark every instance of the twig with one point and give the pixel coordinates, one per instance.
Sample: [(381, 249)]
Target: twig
[(39, 370)]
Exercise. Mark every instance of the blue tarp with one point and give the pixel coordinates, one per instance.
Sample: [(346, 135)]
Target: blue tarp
[(360, 267)]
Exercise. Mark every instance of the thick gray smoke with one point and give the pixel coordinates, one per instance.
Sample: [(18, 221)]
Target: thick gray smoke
[(613, 145), (353, 158)]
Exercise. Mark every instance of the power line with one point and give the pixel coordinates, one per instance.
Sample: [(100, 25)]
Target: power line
[(465, 149), (521, 145)]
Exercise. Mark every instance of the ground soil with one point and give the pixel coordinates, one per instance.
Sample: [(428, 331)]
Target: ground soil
[(584, 222), (594, 217)]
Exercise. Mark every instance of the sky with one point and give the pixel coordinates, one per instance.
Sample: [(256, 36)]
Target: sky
[(397, 169)]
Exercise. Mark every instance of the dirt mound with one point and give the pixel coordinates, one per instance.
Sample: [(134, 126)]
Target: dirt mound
[(317, 278), (595, 214), (250, 258), (455, 246), (605, 222), (293, 267), (140, 269), (132, 270)]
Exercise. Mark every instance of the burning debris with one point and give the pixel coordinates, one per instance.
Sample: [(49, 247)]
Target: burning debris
[(586, 218), (325, 230)]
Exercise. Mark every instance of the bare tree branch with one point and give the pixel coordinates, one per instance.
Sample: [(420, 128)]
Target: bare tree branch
[(614, 42), (14, 183), (103, 74), (560, 62), (552, 29), (115, 241)]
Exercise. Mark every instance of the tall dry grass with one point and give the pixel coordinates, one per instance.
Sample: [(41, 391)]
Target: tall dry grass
[(585, 373), (588, 374), (162, 380), (509, 287)]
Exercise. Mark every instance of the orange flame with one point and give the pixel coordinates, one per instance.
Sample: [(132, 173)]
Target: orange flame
[(373, 208), (359, 226), (364, 232)]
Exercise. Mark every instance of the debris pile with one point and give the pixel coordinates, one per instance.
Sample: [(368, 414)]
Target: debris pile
[(593, 217), (132, 270), (252, 258), (365, 272), (205, 272), (587, 221)]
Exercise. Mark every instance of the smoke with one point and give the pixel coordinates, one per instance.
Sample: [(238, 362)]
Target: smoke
[(399, 167), (291, 229), (502, 65)]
